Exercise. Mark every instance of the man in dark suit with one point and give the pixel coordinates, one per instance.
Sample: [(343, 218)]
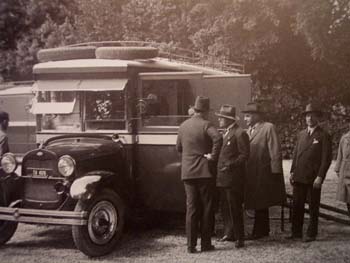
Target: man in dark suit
[(311, 160), (231, 175), (199, 143)]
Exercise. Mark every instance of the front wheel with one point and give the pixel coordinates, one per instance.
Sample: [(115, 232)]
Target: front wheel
[(106, 212)]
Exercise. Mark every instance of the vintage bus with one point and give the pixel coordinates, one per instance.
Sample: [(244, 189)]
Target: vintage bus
[(107, 121)]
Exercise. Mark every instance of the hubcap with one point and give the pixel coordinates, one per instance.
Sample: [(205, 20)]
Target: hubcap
[(103, 221)]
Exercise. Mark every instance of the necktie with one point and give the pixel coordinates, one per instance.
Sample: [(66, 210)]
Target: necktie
[(226, 132), (251, 131)]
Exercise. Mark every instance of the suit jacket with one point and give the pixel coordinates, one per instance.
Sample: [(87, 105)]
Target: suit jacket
[(233, 159), (265, 182), (197, 137), (312, 156)]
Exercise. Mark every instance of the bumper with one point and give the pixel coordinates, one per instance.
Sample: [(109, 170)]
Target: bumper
[(53, 217)]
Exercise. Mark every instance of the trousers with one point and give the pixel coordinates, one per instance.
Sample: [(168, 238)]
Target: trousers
[(300, 194), (199, 211)]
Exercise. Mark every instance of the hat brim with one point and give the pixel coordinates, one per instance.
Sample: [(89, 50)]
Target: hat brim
[(201, 110), (227, 117)]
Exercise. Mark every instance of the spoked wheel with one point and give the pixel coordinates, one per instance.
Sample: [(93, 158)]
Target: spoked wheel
[(105, 224)]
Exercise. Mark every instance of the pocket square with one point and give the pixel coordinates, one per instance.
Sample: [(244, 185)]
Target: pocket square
[(315, 141)]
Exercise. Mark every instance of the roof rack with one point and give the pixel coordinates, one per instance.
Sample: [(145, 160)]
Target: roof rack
[(171, 52)]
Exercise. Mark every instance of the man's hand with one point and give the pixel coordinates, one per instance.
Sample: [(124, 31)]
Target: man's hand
[(291, 179), (209, 157), (318, 182)]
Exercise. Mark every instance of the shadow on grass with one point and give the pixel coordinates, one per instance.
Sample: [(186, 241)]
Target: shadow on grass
[(139, 238), (56, 237)]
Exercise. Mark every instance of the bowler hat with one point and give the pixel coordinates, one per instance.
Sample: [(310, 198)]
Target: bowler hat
[(253, 107), (201, 104), (312, 108), (227, 111)]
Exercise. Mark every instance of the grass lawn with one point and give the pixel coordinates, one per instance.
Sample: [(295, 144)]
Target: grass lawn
[(166, 242)]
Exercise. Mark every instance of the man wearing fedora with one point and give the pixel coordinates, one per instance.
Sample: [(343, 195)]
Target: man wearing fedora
[(265, 182), (311, 160), (199, 143), (231, 174)]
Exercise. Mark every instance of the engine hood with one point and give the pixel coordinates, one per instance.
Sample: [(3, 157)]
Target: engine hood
[(83, 147)]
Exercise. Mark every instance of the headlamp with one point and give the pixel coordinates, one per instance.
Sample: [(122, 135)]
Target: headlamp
[(8, 163), (66, 165)]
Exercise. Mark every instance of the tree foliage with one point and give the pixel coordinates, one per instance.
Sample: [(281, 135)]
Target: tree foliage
[(29, 25), (296, 50)]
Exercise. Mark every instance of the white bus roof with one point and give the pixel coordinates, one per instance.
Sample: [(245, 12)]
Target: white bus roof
[(115, 65)]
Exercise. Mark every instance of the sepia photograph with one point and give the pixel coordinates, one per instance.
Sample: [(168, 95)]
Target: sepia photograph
[(174, 131)]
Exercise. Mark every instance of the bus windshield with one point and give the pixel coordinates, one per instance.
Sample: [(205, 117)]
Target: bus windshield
[(72, 111)]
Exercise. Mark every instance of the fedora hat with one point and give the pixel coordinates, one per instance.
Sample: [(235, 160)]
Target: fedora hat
[(202, 104), (227, 111), (253, 107), (312, 108)]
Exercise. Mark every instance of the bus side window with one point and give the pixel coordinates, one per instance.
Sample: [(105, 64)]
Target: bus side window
[(165, 102)]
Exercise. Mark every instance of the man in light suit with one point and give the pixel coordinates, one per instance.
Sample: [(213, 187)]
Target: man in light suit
[(199, 143), (231, 175), (311, 160), (265, 182)]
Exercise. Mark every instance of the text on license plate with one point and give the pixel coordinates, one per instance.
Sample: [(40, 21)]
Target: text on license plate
[(41, 173)]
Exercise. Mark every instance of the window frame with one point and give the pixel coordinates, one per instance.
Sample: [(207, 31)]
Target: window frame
[(171, 76)]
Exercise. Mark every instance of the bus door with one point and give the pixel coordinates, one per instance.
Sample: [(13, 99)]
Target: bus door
[(163, 102)]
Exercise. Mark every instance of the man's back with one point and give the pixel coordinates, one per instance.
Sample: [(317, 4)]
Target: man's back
[(197, 137)]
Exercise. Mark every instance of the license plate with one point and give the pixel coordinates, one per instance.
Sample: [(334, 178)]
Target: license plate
[(40, 173)]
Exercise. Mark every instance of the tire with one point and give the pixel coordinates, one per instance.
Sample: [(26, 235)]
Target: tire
[(106, 209), (66, 53), (7, 228), (126, 53)]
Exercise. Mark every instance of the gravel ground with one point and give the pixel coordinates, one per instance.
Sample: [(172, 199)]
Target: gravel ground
[(166, 242)]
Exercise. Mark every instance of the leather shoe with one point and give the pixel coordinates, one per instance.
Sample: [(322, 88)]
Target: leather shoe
[(208, 248), (192, 250), (226, 238), (309, 239), (239, 244)]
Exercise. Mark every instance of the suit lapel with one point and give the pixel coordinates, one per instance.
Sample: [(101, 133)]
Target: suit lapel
[(306, 140), (256, 131), (229, 135)]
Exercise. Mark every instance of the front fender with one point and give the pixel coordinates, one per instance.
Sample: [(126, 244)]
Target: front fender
[(84, 187)]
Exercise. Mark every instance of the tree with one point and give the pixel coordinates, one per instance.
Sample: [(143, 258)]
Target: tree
[(35, 24), (99, 20)]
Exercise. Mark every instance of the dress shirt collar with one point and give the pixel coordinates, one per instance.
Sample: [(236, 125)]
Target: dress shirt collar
[(310, 130), (229, 128)]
